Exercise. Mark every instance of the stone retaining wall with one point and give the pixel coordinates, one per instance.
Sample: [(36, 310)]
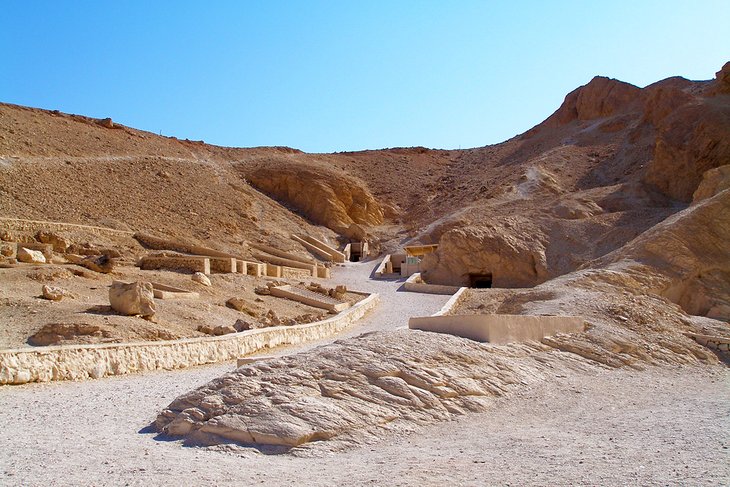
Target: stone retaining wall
[(416, 285), (499, 329), (77, 362)]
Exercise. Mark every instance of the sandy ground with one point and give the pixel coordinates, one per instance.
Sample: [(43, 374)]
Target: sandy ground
[(657, 427)]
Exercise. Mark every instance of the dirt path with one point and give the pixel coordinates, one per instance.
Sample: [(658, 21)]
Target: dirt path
[(658, 427)]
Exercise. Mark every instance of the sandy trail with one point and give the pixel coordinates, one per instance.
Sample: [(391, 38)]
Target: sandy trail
[(662, 426)]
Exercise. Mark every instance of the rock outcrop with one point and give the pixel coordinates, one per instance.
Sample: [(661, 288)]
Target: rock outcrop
[(134, 298), (333, 200), (690, 250), (508, 251), (601, 97), (713, 182)]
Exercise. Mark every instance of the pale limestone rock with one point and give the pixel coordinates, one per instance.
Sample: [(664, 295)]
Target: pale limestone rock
[(31, 256), (508, 250), (136, 298), (352, 386), (97, 263), (60, 243), (201, 278), (55, 293), (223, 330)]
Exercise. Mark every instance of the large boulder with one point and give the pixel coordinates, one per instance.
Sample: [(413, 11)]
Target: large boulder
[(31, 256), (134, 298), (97, 263)]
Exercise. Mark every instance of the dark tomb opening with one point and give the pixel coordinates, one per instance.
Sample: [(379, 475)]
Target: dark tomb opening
[(480, 281)]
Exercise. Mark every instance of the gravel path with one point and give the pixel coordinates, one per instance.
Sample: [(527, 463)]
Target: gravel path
[(657, 427)]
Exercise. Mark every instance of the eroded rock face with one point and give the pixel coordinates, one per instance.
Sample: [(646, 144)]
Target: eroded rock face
[(134, 298), (691, 249), (514, 257), (354, 384), (332, 200)]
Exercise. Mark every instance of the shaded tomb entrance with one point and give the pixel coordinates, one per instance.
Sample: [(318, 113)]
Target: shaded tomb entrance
[(480, 281)]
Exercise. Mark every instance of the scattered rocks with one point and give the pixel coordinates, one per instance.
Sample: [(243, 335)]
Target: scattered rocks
[(201, 278), (31, 256), (135, 298), (55, 293), (337, 292)]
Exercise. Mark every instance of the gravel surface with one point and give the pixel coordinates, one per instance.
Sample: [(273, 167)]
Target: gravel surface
[(662, 426)]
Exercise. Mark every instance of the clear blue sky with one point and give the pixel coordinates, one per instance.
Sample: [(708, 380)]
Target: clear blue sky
[(344, 75)]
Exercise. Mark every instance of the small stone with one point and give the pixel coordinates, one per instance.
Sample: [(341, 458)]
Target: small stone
[(208, 330), (223, 330), (201, 278), (55, 293)]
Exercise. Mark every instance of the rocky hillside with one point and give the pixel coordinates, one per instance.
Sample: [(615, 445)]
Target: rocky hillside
[(613, 161)]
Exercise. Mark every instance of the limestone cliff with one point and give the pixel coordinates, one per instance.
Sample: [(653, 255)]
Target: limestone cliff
[(333, 200)]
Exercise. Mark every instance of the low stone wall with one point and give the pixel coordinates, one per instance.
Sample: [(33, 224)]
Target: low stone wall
[(310, 298), (158, 243), (334, 254), (452, 303), (499, 329), (33, 226), (416, 285), (77, 362), (190, 263)]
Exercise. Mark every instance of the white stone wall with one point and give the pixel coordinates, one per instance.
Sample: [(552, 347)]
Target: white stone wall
[(77, 362)]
